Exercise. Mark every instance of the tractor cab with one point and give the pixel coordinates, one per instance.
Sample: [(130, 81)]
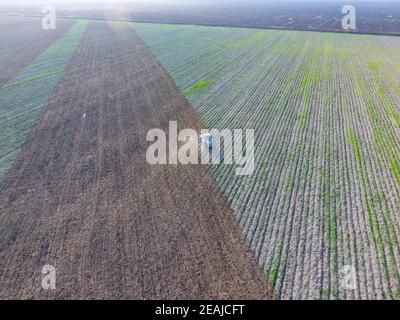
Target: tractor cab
[(207, 140)]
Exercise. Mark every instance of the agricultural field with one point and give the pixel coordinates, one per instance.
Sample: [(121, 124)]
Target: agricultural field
[(80, 196), (326, 112), (373, 16), (77, 192), (20, 43), (23, 97)]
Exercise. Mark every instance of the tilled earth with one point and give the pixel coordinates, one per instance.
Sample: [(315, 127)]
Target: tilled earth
[(22, 39), (81, 196)]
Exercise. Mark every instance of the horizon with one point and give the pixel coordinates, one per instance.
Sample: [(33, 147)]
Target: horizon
[(23, 2)]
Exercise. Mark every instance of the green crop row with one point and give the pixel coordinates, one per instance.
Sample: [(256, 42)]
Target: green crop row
[(23, 97), (324, 107)]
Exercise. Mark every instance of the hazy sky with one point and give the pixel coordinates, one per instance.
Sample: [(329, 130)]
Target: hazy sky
[(102, 1), (169, 1), (82, 1)]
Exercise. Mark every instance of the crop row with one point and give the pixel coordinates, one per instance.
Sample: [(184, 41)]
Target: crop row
[(23, 97), (325, 108)]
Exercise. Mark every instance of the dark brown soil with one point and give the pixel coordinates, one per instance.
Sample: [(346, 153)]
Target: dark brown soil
[(82, 198), (22, 39)]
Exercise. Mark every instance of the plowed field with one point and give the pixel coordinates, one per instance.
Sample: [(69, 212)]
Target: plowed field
[(81, 197)]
